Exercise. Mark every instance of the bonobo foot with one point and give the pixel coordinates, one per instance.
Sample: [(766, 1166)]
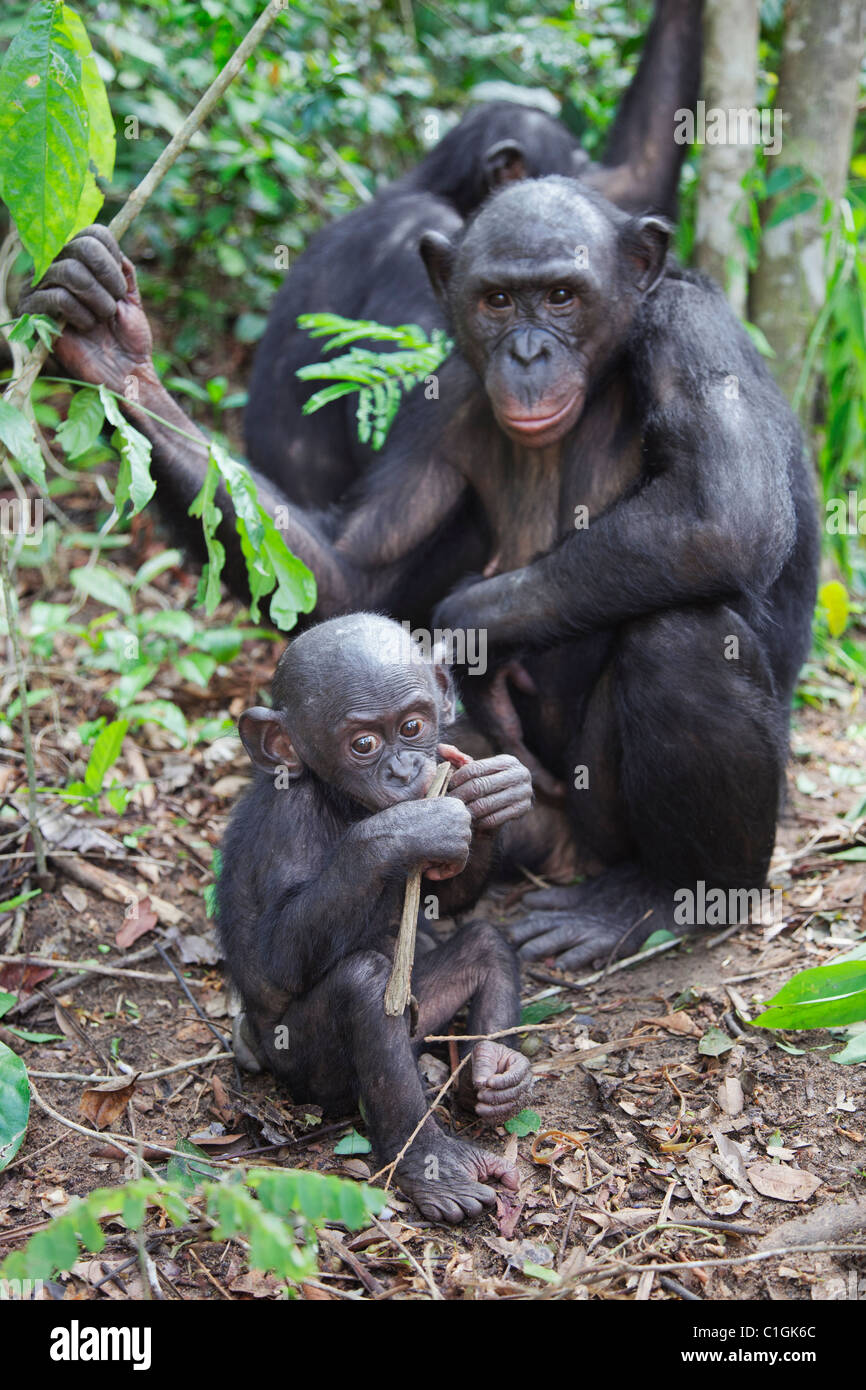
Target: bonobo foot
[(496, 1083), (245, 1047), (589, 923), (445, 1177)]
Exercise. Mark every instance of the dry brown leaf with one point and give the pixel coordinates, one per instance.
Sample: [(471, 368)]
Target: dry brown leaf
[(138, 919), (76, 897), (730, 1096), (678, 1023), (105, 1103), (784, 1184)]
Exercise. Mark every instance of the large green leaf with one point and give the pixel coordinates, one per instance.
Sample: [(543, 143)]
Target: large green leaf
[(827, 996), (100, 132), (84, 419), (43, 132), (16, 432), (104, 754), (14, 1104)]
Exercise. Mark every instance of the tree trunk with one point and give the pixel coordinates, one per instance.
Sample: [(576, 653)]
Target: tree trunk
[(730, 79), (818, 84)]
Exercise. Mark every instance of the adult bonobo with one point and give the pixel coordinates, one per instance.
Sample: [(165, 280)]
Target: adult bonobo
[(310, 894), (645, 534), (365, 266)]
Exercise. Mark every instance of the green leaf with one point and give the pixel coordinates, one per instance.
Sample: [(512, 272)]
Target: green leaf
[(100, 125), (10, 903), (84, 420), (14, 1104), (549, 1276), (162, 712), (171, 623), (658, 938), (44, 142), (791, 206), (34, 1037), (6, 1002), (714, 1043), (853, 1051), (526, 1122), (156, 565), (195, 667), (104, 754), (133, 478), (542, 1010), (827, 996), (102, 585), (16, 432), (353, 1143)]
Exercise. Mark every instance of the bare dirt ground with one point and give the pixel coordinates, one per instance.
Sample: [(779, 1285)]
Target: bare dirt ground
[(650, 1151)]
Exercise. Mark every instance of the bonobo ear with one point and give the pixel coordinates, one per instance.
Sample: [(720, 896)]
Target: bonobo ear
[(447, 695), (267, 741), (437, 254), (645, 242), (504, 162)]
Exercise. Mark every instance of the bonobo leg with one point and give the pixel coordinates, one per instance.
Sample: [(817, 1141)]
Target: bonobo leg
[(339, 1047), (685, 742), (478, 967)]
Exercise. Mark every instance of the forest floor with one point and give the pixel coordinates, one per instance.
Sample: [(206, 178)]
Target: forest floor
[(671, 1134)]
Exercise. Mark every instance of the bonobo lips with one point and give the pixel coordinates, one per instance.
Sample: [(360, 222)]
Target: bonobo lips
[(539, 430)]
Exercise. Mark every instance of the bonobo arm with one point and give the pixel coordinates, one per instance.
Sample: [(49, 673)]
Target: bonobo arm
[(642, 161), (309, 926), (714, 516), (107, 340)]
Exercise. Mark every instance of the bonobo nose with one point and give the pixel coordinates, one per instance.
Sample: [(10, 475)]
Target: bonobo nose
[(527, 345), (401, 769)]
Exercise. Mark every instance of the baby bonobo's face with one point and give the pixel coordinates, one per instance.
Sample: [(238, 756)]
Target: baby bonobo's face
[(383, 743)]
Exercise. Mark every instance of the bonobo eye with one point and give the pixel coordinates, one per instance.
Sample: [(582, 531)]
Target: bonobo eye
[(365, 744), (412, 728), (561, 295), (498, 299)]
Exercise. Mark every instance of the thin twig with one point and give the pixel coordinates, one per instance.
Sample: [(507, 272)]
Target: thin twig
[(91, 968), (390, 1167), (213, 1056), (398, 990), (220, 1037), (416, 1265)]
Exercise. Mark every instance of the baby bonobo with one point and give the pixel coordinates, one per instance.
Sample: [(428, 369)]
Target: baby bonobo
[(315, 862)]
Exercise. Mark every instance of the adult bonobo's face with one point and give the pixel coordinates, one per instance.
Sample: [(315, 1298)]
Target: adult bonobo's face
[(541, 290), (355, 704)]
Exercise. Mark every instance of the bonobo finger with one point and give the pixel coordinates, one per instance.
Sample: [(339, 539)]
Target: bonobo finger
[(453, 755), (509, 1080), (534, 924), (495, 811), (503, 766), (564, 933), (597, 948), (72, 275), (58, 304), (99, 260)]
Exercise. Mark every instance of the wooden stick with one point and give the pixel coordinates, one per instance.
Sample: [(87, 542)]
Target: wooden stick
[(399, 988)]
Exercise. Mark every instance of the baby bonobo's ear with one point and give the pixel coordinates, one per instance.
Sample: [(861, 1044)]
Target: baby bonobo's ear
[(447, 695), (267, 741)]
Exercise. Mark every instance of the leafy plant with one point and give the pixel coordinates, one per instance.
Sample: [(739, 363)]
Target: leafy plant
[(826, 996), (276, 1211), (380, 378)]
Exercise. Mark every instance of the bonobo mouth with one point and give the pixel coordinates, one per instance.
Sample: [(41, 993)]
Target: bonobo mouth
[(538, 430)]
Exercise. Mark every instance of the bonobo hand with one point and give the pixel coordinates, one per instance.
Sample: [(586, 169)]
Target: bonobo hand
[(489, 605), (92, 285), (500, 1082), (496, 790), (421, 834)]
